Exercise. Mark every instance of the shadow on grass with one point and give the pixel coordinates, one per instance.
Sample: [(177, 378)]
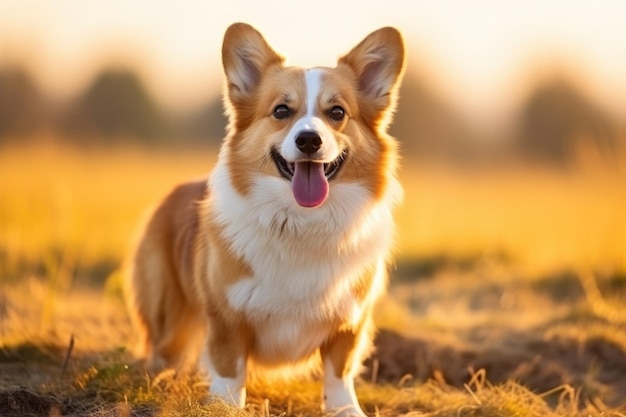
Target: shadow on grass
[(36, 380), (20, 401), (593, 365)]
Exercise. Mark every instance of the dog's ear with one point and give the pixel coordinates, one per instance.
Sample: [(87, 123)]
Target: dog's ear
[(378, 63), (245, 56)]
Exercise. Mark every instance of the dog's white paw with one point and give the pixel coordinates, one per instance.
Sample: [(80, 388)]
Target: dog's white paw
[(346, 411)]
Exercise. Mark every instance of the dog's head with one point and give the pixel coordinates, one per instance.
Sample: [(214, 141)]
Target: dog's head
[(310, 128)]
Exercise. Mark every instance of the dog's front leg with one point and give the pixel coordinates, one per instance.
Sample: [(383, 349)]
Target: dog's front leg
[(341, 356), (225, 359)]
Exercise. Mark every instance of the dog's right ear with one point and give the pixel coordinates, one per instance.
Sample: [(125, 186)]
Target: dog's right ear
[(245, 55)]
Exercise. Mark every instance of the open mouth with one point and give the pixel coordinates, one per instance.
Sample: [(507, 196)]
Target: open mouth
[(287, 169)]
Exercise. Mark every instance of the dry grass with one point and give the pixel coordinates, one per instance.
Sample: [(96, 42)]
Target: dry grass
[(543, 220), (570, 364), (508, 300), (82, 206)]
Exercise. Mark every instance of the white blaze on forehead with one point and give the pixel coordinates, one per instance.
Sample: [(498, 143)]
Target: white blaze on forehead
[(313, 79)]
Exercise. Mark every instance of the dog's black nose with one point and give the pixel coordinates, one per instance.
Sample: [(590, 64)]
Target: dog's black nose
[(308, 142)]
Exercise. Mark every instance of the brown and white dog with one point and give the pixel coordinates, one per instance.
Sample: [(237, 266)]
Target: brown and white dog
[(277, 259)]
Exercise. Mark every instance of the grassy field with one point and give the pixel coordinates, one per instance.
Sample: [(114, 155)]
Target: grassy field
[(508, 298)]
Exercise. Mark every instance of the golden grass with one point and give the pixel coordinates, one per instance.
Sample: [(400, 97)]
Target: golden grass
[(87, 203), (544, 220)]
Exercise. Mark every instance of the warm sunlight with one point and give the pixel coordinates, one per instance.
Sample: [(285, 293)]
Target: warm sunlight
[(158, 253)]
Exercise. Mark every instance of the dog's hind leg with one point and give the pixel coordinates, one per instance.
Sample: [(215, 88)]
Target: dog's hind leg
[(160, 285), (169, 325)]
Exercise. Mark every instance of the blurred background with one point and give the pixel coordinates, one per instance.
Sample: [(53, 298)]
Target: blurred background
[(512, 124)]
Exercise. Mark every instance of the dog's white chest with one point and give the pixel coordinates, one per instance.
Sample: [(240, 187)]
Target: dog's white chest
[(284, 339), (292, 311)]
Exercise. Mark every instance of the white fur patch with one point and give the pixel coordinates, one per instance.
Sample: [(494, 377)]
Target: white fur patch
[(286, 340), (313, 79)]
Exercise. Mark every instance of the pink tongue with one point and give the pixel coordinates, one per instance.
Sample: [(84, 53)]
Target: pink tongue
[(309, 184)]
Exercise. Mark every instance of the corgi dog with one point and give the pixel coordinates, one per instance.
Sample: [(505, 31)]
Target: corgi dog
[(277, 259)]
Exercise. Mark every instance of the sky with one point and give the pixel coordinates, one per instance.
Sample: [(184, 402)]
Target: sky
[(481, 55)]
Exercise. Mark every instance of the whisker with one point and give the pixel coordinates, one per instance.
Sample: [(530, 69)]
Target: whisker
[(262, 161)]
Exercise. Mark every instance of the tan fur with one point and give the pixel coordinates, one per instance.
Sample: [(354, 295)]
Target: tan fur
[(161, 293), (184, 266)]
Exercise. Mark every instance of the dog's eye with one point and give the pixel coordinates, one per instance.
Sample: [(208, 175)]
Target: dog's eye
[(282, 112), (337, 113)]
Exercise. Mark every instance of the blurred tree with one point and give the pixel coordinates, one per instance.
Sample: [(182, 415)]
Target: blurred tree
[(208, 123), (426, 126), (117, 105), (21, 104), (557, 122)]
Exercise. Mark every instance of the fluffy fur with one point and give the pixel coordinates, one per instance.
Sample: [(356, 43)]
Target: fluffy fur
[(277, 259)]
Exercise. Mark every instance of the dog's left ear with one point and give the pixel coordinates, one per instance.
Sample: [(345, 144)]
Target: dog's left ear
[(378, 63)]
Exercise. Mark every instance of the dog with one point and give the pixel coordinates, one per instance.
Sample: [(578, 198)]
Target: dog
[(276, 260)]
